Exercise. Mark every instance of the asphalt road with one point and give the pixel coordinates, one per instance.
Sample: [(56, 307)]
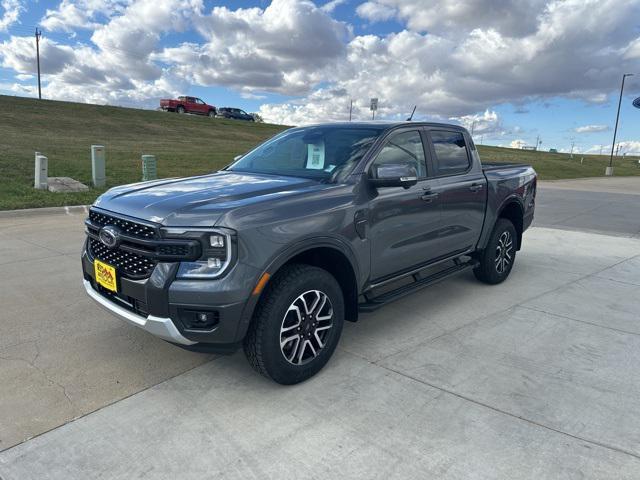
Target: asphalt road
[(535, 378), (610, 206)]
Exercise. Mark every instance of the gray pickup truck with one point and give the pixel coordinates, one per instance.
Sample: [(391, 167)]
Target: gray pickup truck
[(309, 229)]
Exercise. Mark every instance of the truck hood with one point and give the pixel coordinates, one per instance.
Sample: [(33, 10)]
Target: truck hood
[(199, 201)]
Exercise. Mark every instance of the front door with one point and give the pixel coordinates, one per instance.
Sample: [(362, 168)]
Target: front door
[(404, 223)]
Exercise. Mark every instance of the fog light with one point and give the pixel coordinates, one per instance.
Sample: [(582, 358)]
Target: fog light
[(214, 263), (199, 320)]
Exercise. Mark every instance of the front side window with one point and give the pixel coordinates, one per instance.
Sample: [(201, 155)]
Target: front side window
[(451, 152), (326, 153), (403, 148)]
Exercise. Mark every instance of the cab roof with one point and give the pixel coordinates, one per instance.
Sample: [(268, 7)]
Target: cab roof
[(385, 125)]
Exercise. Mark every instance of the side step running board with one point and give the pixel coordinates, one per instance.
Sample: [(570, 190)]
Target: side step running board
[(373, 304)]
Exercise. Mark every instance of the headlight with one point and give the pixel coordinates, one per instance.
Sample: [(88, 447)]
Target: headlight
[(217, 252)]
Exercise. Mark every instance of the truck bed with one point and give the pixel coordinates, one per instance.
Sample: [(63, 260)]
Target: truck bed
[(488, 166)]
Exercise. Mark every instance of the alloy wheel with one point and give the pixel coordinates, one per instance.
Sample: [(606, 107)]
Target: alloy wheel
[(305, 327), (504, 251)]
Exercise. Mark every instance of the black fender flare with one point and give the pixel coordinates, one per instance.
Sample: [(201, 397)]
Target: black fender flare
[(282, 257)]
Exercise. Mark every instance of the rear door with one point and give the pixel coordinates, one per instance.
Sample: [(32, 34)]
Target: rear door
[(405, 223), (190, 104), (462, 187)]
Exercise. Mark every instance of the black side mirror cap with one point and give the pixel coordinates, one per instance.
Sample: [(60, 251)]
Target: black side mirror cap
[(394, 175)]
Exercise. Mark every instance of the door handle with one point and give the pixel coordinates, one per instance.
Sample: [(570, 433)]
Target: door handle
[(429, 197), (475, 187)]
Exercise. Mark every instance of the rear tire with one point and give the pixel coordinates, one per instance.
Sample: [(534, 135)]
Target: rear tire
[(180, 109), (497, 259), (212, 113), (297, 324)]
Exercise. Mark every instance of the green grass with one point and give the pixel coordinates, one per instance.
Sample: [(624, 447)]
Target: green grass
[(184, 145), (558, 166), (64, 132)]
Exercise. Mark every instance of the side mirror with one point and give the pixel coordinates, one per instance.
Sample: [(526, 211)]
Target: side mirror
[(394, 175)]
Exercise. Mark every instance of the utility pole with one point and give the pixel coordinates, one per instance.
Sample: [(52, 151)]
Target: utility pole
[(573, 143), (350, 109), (537, 141), (473, 127), (38, 35), (609, 170)]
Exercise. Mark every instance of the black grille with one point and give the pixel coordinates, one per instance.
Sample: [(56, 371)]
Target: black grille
[(173, 250), (130, 228), (127, 263)]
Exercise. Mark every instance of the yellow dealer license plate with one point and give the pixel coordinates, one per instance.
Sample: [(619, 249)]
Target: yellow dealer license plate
[(105, 275)]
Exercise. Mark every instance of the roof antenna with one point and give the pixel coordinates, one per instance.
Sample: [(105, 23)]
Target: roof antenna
[(414, 111)]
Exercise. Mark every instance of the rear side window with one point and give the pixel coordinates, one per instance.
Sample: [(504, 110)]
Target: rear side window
[(451, 152)]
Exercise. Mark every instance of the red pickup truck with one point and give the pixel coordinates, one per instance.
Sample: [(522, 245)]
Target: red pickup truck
[(188, 105)]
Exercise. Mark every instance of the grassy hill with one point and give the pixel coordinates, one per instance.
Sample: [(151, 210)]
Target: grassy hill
[(184, 145)]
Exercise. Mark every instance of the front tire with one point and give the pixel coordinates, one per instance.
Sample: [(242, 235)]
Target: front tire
[(497, 259), (212, 113), (297, 324), (180, 109)]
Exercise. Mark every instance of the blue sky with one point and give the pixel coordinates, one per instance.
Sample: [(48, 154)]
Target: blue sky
[(512, 69)]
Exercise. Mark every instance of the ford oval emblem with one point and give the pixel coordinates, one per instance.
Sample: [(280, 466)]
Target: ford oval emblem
[(636, 102), (109, 236)]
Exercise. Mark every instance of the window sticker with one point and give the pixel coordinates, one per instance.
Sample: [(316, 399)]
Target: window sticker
[(315, 156)]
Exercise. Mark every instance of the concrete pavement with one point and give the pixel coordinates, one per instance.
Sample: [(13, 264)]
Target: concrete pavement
[(60, 356), (535, 378)]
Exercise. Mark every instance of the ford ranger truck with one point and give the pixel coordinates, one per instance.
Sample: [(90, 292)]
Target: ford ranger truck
[(313, 227)]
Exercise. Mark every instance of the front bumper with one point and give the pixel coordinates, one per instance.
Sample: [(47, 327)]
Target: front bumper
[(158, 326), (159, 304)]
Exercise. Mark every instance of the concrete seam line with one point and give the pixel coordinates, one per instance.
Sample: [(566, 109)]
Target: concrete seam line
[(107, 405), (520, 304), (627, 332), (504, 412)]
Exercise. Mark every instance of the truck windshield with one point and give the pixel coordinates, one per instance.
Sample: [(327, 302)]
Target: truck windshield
[(326, 153)]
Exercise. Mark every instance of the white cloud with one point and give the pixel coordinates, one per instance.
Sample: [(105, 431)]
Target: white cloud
[(452, 58), (74, 14), (10, 13), (452, 17), (592, 128), (518, 143), (487, 123), (633, 50), (629, 147), (332, 5), (375, 11)]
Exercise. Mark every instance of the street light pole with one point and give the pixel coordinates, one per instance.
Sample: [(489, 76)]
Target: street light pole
[(609, 170), (38, 35)]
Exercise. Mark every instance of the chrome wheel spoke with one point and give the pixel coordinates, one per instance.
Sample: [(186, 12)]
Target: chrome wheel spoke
[(302, 349), (292, 308), (305, 327), (294, 350)]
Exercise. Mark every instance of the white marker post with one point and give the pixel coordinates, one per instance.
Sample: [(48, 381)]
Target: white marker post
[(98, 174), (41, 180)]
